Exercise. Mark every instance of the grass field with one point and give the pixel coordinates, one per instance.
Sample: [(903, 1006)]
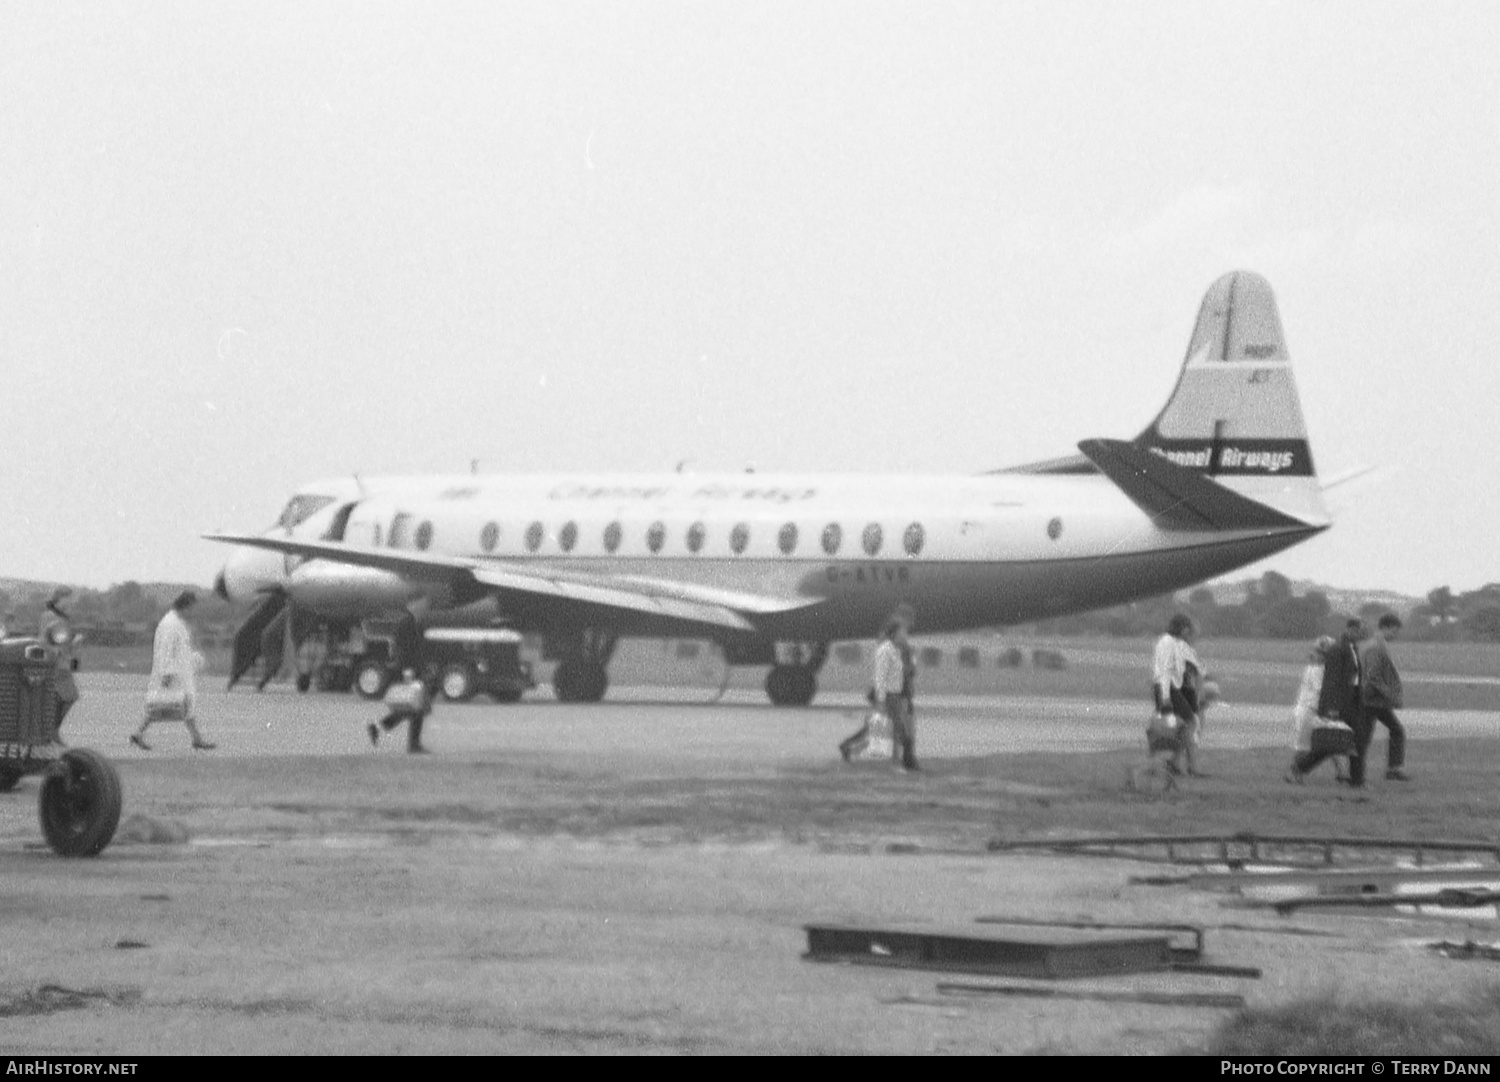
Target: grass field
[(1462, 1027)]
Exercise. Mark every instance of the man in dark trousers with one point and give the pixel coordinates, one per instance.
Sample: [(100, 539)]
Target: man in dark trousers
[(56, 630), (1342, 696), (1382, 695)]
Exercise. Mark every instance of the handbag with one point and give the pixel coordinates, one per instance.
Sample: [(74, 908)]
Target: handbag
[(166, 703)]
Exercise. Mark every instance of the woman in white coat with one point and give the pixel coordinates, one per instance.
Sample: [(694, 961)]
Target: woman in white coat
[(1175, 674), (173, 692)]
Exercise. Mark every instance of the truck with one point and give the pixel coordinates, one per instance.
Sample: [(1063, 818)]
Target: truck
[(469, 661)]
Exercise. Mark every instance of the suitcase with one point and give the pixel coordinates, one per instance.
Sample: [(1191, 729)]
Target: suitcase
[(1332, 738)]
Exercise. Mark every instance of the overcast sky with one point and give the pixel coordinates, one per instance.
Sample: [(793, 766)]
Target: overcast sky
[(247, 245)]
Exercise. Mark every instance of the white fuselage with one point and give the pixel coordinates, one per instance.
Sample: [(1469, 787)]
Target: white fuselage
[(963, 551)]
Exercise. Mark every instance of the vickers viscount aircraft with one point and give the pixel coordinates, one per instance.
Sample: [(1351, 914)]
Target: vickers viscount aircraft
[(776, 567)]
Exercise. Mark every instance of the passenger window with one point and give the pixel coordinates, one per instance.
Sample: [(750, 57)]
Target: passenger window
[(568, 537), (424, 536), (612, 534), (656, 537), (786, 539), (400, 531), (695, 535), (833, 537), (873, 538), (739, 537), (489, 537), (534, 536), (914, 538)]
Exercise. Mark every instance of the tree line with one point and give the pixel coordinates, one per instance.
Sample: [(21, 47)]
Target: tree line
[(1271, 610), (123, 615)]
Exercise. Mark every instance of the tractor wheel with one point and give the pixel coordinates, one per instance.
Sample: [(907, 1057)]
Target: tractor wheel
[(80, 803)]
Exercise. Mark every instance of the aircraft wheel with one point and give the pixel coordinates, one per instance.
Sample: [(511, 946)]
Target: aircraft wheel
[(791, 685), (372, 680), (566, 682), (304, 681), (9, 779), (803, 686), (506, 695), (458, 683), (778, 688), (80, 803), (593, 683)]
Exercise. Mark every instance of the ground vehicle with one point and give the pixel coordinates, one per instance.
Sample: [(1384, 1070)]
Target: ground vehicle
[(469, 660), (80, 798), (478, 659)]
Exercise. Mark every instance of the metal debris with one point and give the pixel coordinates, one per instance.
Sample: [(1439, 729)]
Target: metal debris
[(1219, 1000), (1059, 953), (1467, 950), (1237, 850), (1449, 898)]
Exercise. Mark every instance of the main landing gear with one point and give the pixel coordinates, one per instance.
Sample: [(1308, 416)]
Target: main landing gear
[(793, 679), (582, 674)]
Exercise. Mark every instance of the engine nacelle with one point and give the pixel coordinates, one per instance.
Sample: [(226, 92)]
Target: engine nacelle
[(339, 590)]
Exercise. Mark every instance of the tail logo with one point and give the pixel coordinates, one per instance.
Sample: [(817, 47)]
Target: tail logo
[(1243, 457)]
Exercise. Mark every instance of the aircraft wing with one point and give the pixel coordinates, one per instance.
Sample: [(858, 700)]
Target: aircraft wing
[(1178, 498), (697, 608)]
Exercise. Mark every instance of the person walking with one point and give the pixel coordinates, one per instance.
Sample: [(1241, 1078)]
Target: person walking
[(908, 677), (1381, 695), (1305, 719), (172, 694), (1175, 670), (1341, 697), (409, 701), (56, 630), (890, 678)]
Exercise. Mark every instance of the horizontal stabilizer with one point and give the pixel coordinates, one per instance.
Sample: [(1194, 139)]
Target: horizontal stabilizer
[(1179, 498)]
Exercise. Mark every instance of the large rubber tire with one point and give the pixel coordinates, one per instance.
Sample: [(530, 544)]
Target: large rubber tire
[(567, 681), (458, 683), (506, 695), (593, 683), (791, 685), (9, 778), (372, 680), (803, 686), (304, 681), (776, 685), (80, 803)]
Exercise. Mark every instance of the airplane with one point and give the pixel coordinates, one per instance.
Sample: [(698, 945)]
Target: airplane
[(774, 568)]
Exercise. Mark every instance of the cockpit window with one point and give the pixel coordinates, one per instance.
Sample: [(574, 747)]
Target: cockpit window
[(302, 508)]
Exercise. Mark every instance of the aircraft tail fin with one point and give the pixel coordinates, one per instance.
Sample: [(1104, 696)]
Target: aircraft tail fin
[(1234, 416)]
